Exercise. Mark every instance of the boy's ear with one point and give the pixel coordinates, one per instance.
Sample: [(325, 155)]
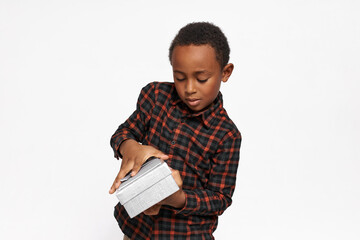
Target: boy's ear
[(226, 73)]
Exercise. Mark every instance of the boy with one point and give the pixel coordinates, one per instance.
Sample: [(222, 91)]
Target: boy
[(185, 124)]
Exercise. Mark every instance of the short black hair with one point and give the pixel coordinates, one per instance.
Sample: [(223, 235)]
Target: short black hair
[(201, 33)]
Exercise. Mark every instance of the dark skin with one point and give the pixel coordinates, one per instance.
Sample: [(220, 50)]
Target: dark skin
[(134, 155), (197, 78)]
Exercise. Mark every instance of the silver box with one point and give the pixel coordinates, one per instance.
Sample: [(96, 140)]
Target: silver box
[(149, 186)]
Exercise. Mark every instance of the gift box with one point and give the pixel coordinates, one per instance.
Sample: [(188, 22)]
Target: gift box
[(149, 186)]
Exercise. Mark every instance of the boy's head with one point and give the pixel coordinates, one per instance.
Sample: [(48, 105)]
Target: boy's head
[(203, 33), (199, 55)]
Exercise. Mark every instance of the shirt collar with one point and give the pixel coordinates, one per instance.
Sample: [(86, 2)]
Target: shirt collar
[(207, 115)]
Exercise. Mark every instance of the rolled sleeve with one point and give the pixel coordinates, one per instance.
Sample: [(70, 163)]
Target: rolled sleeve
[(216, 197), (136, 125)]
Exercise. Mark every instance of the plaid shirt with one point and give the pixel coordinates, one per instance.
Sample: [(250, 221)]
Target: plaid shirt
[(203, 146)]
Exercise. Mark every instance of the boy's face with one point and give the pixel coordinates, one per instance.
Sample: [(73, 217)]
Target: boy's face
[(198, 75)]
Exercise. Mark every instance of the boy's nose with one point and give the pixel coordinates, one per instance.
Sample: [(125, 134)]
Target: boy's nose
[(190, 87)]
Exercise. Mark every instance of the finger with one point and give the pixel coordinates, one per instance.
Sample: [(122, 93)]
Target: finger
[(177, 177), (123, 171), (148, 211), (138, 164), (157, 210), (174, 172), (161, 155), (157, 153), (164, 201), (154, 210), (136, 168), (115, 186)]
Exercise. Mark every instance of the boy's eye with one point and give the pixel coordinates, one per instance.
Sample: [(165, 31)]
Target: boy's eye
[(180, 79), (202, 80)]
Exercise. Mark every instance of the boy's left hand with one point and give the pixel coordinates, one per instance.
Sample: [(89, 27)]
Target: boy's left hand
[(154, 210), (176, 200)]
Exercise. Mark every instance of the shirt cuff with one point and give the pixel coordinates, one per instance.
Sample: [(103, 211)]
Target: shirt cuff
[(116, 148), (192, 203)]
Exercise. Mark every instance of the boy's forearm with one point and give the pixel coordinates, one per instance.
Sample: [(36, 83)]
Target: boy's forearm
[(204, 202), (216, 196)]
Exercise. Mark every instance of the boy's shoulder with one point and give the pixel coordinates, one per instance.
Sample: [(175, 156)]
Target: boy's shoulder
[(164, 86), (158, 92), (223, 121)]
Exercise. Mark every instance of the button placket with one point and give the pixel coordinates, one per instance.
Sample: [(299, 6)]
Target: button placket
[(176, 134)]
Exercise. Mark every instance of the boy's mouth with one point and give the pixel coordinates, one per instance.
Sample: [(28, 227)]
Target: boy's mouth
[(193, 101)]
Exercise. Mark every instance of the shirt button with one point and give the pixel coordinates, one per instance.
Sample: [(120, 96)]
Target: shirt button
[(172, 142)]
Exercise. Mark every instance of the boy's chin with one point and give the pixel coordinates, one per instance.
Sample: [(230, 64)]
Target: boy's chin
[(198, 109)]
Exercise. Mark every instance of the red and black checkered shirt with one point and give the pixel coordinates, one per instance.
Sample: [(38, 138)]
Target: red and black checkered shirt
[(203, 146)]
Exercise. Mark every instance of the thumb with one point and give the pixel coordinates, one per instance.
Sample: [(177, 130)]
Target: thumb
[(161, 155)]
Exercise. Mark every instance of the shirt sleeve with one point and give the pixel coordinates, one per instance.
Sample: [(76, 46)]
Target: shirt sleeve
[(216, 197), (137, 124)]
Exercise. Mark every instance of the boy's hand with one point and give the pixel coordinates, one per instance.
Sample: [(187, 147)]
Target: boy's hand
[(176, 200), (134, 155), (154, 210)]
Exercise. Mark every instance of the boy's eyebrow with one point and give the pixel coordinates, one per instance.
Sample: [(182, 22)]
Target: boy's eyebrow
[(197, 72)]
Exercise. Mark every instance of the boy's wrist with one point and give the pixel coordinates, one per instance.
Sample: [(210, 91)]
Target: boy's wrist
[(176, 200), (125, 144)]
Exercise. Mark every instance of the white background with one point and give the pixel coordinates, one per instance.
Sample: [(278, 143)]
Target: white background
[(71, 71)]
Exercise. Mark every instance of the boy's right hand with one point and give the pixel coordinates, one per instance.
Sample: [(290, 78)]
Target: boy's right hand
[(134, 155)]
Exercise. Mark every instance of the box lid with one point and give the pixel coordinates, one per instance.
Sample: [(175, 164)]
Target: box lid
[(150, 173)]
